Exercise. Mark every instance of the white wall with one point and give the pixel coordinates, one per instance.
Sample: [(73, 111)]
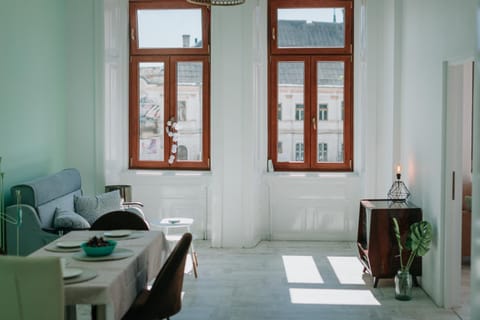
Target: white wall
[(237, 202), (432, 32)]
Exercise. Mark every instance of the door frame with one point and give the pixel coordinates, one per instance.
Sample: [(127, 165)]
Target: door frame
[(452, 175)]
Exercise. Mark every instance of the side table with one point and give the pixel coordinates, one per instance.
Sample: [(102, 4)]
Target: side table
[(170, 225), (377, 245)]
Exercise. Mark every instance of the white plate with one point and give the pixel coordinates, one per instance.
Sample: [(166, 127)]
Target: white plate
[(117, 233), (69, 244), (71, 272)]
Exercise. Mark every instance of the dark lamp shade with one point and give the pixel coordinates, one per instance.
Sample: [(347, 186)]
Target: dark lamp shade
[(398, 191)]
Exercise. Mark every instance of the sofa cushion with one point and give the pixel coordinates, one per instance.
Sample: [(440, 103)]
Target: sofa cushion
[(66, 219), (46, 211), (92, 207)]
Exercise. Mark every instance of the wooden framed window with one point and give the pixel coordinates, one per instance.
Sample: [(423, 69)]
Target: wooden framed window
[(169, 113), (311, 76)]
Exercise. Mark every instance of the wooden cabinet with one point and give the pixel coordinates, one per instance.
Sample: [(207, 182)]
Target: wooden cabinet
[(377, 245)]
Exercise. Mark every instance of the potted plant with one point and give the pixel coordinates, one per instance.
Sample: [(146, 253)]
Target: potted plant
[(419, 238)]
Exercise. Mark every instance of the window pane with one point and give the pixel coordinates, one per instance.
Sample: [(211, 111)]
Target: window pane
[(330, 96), (151, 105), (189, 110), (291, 77), (184, 28), (311, 28)]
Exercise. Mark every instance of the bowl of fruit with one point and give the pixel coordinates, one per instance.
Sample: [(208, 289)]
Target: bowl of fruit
[(98, 247)]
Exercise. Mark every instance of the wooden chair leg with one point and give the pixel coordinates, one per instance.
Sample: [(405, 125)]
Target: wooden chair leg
[(195, 265), (375, 282)]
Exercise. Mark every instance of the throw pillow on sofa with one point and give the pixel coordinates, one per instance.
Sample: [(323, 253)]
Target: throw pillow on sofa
[(92, 207), (66, 219)]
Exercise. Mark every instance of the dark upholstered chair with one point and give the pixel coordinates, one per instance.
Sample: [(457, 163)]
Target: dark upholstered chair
[(164, 299), (120, 220)]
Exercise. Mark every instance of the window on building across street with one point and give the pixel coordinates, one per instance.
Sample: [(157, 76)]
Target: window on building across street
[(322, 152), (323, 112), (280, 147), (182, 153), (310, 75), (169, 85), (299, 151), (279, 111), (299, 112)]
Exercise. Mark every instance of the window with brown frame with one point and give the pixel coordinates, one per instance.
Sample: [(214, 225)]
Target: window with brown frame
[(310, 68), (169, 112)]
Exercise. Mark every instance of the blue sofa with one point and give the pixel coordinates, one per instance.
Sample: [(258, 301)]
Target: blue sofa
[(39, 200), (53, 205)]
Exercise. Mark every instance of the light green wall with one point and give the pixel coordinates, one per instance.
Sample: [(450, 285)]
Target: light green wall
[(84, 53), (32, 88)]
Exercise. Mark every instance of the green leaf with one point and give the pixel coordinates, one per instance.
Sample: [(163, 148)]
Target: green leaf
[(396, 229), (419, 238)]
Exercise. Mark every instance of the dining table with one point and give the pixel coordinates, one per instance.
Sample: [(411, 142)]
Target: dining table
[(112, 282)]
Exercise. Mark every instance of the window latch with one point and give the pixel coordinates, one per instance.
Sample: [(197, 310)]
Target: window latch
[(314, 123)]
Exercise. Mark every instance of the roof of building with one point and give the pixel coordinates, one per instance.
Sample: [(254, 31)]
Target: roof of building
[(292, 33), (298, 34), (301, 34)]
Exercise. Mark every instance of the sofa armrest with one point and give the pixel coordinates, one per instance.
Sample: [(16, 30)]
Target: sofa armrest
[(132, 203)]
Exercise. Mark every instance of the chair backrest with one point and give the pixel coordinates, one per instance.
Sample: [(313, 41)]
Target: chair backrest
[(120, 220), (165, 298), (21, 279)]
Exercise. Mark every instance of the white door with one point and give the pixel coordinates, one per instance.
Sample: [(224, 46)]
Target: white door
[(459, 84)]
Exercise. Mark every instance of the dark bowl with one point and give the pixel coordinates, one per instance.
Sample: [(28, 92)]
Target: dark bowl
[(99, 251)]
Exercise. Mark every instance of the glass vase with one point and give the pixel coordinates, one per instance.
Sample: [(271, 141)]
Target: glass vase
[(403, 285)]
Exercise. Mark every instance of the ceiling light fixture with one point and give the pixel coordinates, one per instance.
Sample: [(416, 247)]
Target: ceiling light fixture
[(217, 2)]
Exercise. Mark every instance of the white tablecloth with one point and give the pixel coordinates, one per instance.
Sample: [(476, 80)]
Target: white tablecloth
[(118, 281)]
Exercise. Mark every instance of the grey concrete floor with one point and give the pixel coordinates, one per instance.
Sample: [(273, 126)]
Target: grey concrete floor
[(238, 284), (319, 280)]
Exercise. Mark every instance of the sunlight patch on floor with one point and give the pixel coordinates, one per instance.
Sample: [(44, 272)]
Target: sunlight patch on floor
[(348, 270), (301, 269), (333, 297)]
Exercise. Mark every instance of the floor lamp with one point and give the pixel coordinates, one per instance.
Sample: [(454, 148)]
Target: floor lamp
[(4, 217)]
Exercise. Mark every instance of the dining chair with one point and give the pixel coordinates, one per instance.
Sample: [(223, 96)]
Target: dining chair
[(116, 220), (120, 220), (25, 280), (164, 299)]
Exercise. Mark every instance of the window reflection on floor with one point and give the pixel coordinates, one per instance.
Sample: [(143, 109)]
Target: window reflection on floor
[(301, 269), (333, 297), (348, 271)]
